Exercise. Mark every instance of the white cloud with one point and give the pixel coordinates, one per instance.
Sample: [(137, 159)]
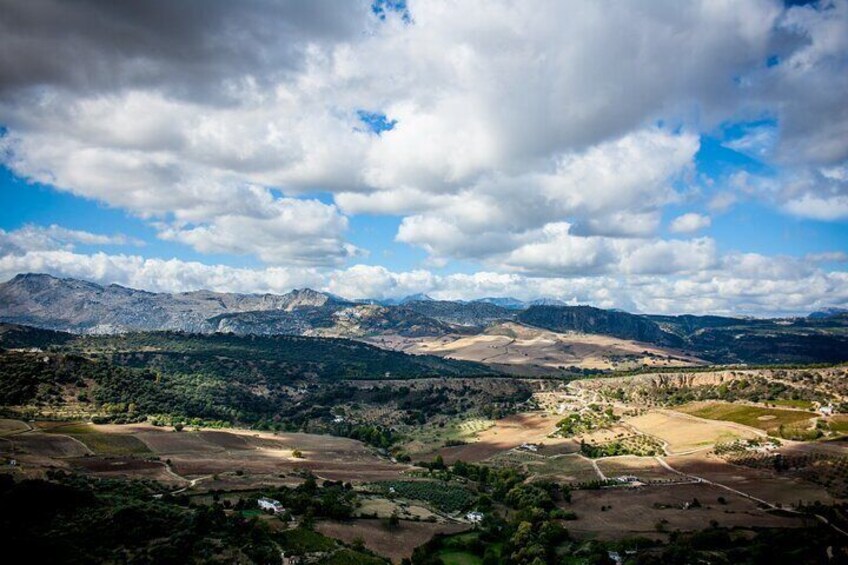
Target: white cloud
[(38, 238), (527, 136), (691, 222), (818, 208), (286, 231), (616, 188)]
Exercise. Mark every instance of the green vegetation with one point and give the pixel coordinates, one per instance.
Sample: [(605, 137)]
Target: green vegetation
[(331, 499), (76, 519), (112, 444), (641, 445), (275, 358), (444, 496), (73, 519), (351, 557), (586, 421), (273, 383), (796, 390), (298, 541)]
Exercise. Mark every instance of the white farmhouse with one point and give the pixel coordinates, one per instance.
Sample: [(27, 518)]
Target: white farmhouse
[(474, 517), (271, 504)]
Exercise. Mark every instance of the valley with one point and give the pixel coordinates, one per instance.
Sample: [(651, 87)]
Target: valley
[(405, 431)]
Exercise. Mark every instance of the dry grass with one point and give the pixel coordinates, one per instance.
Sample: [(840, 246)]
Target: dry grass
[(512, 344), (646, 468), (505, 434), (8, 426), (564, 468), (683, 433)]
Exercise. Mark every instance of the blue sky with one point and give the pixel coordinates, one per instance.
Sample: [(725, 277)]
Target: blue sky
[(390, 148)]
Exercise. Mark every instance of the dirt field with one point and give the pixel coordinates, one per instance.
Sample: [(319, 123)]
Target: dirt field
[(631, 512), (42, 446), (565, 468), (505, 434), (767, 419), (645, 468), (395, 544), (512, 344), (383, 508), (766, 486), (8, 426), (261, 457), (683, 433)]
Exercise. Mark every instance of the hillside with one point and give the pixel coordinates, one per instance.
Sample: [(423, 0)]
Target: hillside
[(586, 319), (213, 377)]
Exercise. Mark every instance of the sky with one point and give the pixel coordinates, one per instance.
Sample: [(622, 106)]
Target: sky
[(660, 156)]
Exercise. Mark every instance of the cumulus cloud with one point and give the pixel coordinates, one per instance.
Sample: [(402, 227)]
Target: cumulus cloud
[(616, 188), (540, 140), (691, 222), (38, 238), (285, 231)]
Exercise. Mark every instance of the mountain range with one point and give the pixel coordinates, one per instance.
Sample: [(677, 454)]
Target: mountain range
[(83, 307)]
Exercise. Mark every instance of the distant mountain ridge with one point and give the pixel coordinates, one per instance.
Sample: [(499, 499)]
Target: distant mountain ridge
[(71, 305), (84, 307), (587, 319)]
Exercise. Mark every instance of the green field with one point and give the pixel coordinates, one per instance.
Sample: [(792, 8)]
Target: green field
[(112, 444), (465, 431), (455, 557), (442, 496), (301, 540), (768, 419), (799, 404), (102, 443)]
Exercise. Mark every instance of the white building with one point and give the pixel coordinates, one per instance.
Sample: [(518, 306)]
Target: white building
[(271, 504), (474, 517)]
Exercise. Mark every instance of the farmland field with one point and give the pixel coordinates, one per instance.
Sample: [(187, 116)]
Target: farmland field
[(642, 509), (683, 433), (256, 456), (645, 468), (443, 496), (103, 443), (768, 419), (395, 544), (505, 434), (566, 468)]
